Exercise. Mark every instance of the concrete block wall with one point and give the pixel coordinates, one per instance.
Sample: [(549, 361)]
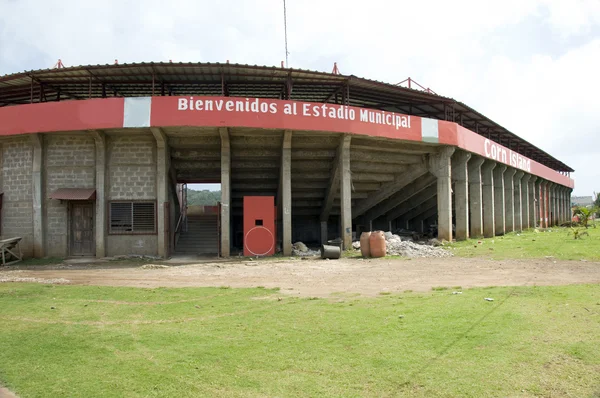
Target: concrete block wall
[(132, 168), (17, 211), (69, 162), (131, 175)]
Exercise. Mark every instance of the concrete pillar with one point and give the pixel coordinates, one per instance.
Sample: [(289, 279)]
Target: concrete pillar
[(559, 200), (534, 199), (525, 208), (225, 244), (37, 194), (557, 210), (488, 199), (100, 143), (499, 199), (440, 167), (563, 205), (345, 195), (162, 190), (475, 196), (461, 193), (518, 204), (551, 205), (286, 192), (559, 203), (324, 232), (570, 212), (509, 198), (543, 204), (332, 188), (553, 209)]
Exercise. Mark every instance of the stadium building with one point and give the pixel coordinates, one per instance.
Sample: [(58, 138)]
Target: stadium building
[(94, 161)]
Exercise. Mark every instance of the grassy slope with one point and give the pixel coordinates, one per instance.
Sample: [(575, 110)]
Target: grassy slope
[(555, 242), (101, 341)]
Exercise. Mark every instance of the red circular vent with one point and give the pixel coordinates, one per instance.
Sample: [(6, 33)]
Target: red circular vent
[(259, 241)]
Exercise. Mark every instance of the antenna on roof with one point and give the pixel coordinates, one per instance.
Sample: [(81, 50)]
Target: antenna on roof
[(285, 32), (335, 70), (409, 83)]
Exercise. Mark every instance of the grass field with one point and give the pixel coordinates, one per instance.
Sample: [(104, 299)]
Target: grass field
[(82, 341), (556, 242)]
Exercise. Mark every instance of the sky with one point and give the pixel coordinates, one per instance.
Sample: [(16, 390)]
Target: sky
[(532, 66)]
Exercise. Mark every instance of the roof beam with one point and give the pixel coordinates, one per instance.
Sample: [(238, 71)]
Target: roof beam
[(389, 189)]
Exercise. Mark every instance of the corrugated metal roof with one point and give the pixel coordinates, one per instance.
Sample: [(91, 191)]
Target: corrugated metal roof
[(166, 78), (74, 194)]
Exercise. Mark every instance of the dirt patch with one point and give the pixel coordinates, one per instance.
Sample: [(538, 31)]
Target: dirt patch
[(316, 277), (6, 393)]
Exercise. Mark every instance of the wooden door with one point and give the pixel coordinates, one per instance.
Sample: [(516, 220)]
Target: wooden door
[(82, 230)]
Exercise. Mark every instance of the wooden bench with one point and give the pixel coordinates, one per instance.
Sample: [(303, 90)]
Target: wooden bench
[(10, 248)]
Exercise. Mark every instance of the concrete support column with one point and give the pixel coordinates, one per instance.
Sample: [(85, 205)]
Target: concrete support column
[(461, 193), (324, 232), (560, 200), (554, 203), (488, 199), (440, 167), (543, 204), (509, 198), (345, 195), (332, 188), (37, 194), (551, 205), (499, 199), (518, 204), (525, 208), (225, 244), (286, 192), (475, 196), (557, 193), (534, 199), (570, 212), (162, 190), (100, 143), (559, 203), (565, 207)]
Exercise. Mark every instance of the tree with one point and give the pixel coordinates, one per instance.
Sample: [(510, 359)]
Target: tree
[(203, 198), (584, 214)]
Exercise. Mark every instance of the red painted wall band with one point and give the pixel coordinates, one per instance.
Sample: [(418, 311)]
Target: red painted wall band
[(62, 116), (260, 113)]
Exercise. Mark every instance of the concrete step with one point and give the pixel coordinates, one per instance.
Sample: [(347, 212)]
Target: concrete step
[(201, 236)]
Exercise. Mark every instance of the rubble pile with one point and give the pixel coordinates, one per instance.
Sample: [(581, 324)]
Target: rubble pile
[(405, 246), (154, 266), (301, 250)]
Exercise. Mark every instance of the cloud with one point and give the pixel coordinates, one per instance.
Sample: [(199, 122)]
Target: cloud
[(530, 65)]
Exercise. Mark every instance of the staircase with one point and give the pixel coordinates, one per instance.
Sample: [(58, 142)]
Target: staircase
[(201, 237)]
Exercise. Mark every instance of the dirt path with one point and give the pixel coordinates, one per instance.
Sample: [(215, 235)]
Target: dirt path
[(322, 278)]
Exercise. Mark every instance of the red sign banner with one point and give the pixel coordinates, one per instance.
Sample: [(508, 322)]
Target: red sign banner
[(257, 113), (277, 114)]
